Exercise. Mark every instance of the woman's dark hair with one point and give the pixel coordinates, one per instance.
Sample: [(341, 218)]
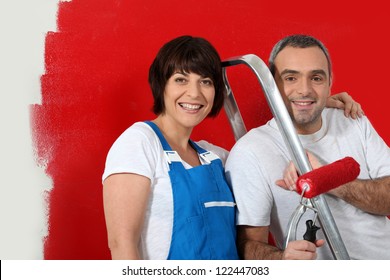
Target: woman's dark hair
[(186, 54)]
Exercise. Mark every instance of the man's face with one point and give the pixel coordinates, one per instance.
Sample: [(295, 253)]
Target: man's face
[(302, 76)]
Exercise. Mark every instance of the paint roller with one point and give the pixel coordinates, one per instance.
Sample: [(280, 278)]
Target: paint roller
[(327, 177), (322, 180)]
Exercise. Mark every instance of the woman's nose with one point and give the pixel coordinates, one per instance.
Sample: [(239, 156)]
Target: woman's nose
[(193, 89)]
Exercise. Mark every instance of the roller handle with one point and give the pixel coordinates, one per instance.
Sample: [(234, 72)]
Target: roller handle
[(311, 231)]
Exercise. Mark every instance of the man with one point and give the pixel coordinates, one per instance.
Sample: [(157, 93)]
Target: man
[(260, 172)]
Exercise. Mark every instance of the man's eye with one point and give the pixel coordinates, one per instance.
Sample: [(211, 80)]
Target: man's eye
[(317, 79), (289, 78)]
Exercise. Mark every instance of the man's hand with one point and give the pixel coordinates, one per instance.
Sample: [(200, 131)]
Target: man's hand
[(302, 250), (290, 174)]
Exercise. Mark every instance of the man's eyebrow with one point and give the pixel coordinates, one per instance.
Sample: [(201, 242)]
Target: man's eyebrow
[(319, 71), (288, 71)]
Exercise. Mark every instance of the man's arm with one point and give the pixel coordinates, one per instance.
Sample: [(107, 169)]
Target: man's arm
[(372, 196), (252, 243)]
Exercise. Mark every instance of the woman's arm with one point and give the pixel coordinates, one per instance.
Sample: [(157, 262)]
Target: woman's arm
[(345, 102), (125, 198)]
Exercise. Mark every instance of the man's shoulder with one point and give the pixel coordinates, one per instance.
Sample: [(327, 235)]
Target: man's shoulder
[(336, 116), (334, 112), (260, 136), (265, 131)]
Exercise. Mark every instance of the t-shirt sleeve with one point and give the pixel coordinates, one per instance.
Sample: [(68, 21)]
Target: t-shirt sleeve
[(135, 151), (377, 151)]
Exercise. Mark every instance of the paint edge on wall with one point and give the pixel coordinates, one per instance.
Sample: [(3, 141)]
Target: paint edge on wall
[(25, 186)]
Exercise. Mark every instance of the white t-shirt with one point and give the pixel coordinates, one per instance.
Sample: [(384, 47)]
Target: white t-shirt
[(259, 158), (138, 150)]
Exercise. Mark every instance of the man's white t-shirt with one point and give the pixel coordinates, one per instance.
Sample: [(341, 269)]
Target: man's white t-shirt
[(259, 158)]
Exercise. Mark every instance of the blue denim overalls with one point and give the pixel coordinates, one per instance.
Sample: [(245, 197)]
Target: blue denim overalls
[(204, 208)]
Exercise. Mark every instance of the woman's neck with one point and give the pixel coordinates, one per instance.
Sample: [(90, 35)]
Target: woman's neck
[(176, 135)]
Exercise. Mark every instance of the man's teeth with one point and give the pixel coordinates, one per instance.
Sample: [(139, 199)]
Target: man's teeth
[(190, 106), (303, 102)]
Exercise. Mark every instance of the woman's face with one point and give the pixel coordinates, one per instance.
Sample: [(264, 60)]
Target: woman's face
[(188, 98)]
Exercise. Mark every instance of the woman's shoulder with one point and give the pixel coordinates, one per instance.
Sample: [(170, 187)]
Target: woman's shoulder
[(138, 128), (139, 137), (138, 131), (136, 150)]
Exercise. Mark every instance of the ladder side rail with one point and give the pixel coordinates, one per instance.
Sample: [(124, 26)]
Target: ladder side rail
[(232, 111)]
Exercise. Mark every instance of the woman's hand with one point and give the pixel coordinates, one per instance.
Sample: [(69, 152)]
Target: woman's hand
[(345, 102)]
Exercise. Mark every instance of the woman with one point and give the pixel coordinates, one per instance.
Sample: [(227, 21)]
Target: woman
[(165, 196)]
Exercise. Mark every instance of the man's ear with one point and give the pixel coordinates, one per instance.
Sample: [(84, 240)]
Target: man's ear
[(330, 83)]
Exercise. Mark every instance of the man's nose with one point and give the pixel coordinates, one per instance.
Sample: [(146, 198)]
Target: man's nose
[(304, 87)]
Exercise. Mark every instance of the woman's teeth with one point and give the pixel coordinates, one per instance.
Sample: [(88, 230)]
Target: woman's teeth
[(190, 106)]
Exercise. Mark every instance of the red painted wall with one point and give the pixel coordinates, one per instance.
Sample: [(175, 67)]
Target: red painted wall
[(95, 85)]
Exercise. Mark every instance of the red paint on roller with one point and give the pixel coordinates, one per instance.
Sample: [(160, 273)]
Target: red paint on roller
[(328, 177)]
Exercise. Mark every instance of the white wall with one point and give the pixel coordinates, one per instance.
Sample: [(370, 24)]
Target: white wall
[(23, 26)]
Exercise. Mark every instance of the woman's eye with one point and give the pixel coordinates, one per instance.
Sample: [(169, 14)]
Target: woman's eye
[(180, 80), (207, 82)]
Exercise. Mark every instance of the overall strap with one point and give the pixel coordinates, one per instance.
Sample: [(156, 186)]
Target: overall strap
[(171, 156), (206, 155), (197, 148), (164, 142)]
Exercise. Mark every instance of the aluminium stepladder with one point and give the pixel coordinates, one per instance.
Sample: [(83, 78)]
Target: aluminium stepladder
[(297, 153)]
